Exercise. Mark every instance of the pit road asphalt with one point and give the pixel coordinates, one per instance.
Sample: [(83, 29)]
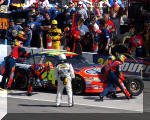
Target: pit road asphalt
[(44, 102)]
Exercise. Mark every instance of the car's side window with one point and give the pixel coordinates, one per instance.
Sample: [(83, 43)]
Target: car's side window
[(33, 60), (51, 59)]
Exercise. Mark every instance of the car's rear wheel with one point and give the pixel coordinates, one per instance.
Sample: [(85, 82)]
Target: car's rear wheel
[(135, 86), (78, 85), (21, 80)]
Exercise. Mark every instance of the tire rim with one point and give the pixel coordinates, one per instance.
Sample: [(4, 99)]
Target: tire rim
[(135, 86)]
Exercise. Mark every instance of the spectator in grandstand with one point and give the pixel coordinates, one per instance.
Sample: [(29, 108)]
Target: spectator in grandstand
[(38, 16), (12, 31), (97, 11), (29, 3), (28, 35), (46, 25), (84, 2), (81, 11), (69, 13), (32, 12), (108, 23), (88, 41), (51, 10), (119, 2), (71, 8), (103, 39), (89, 8), (43, 3), (116, 12), (95, 25), (83, 28), (36, 36), (110, 26), (104, 7)]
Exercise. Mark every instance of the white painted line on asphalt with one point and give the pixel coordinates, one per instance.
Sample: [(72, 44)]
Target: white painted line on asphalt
[(103, 106)]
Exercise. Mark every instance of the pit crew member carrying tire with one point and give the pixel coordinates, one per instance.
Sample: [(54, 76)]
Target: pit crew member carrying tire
[(115, 77), (64, 74), (10, 62), (36, 75)]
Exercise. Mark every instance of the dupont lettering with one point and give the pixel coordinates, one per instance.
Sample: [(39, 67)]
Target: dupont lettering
[(135, 67)]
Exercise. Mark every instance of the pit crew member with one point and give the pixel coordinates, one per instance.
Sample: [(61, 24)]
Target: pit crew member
[(36, 75), (10, 62), (115, 77), (105, 70), (64, 72)]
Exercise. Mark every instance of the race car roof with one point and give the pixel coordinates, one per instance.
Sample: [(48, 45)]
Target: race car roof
[(58, 52)]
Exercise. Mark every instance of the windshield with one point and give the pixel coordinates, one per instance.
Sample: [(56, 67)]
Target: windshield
[(78, 59)]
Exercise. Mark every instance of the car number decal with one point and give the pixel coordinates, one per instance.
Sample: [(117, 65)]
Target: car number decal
[(49, 76)]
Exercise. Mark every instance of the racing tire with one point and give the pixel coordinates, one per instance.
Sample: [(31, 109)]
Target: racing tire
[(134, 86), (78, 85), (21, 80)]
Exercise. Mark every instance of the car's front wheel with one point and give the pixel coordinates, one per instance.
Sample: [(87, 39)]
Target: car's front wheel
[(78, 85), (21, 80), (134, 86)]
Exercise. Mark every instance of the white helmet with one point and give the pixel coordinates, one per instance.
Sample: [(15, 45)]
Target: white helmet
[(80, 3), (62, 57)]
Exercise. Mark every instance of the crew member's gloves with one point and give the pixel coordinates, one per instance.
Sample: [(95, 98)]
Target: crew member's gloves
[(65, 81)]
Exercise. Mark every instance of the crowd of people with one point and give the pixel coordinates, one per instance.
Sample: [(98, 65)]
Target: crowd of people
[(85, 26)]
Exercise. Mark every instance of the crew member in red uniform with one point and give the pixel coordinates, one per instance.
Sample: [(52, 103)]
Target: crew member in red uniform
[(36, 75), (107, 67), (105, 70), (114, 77), (10, 61), (136, 41)]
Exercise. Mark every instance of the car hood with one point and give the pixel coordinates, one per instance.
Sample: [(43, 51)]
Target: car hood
[(90, 69)]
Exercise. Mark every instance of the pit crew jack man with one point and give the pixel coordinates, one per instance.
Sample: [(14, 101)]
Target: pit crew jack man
[(115, 77), (36, 75), (64, 73), (10, 62)]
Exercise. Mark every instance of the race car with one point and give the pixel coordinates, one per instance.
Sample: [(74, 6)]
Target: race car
[(88, 76)]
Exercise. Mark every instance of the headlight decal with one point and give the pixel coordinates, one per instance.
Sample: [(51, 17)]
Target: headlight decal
[(97, 79)]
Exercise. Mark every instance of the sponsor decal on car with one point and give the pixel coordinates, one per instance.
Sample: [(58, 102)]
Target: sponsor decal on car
[(132, 67), (93, 71), (136, 67)]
